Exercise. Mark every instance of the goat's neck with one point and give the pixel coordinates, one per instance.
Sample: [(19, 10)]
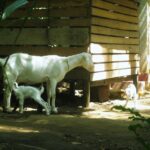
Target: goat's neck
[(74, 61)]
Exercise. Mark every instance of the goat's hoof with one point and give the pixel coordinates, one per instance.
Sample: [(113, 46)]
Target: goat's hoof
[(48, 113), (7, 110), (54, 110), (20, 112)]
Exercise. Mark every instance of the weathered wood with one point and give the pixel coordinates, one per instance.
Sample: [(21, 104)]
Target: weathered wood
[(115, 65), (126, 3), (113, 32), (62, 3), (111, 80), (113, 48), (113, 15), (38, 36), (114, 24), (86, 93), (112, 74), (57, 12), (12, 23), (135, 80), (41, 50), (75, 26), (113, 40), (116, 8), (114, 57)]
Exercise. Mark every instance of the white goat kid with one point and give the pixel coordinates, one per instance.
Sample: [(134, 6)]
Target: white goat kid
[(130, 93), (37, 69), (23, 92)]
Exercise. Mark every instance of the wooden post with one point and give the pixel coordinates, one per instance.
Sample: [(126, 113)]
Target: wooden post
[(86, 93), (135, 80), (72, 88)]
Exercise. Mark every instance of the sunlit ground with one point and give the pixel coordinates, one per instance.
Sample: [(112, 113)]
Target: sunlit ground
[(104, 110), (73, 127)]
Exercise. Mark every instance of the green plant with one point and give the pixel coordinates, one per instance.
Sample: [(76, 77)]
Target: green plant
[(139, 125)]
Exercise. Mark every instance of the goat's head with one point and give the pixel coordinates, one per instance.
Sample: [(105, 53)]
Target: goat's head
[(87, 62)]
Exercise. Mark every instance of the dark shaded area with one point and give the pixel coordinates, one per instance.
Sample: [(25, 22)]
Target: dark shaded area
[(63, 132)]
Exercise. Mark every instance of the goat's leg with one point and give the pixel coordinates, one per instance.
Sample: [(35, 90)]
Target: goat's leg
[(21, 105), (48, 90), (127, 100), (53, 92), (6, 101), (7, 96), (43, 104)]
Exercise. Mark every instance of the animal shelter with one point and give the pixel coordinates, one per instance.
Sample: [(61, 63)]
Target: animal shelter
[(107, 29)]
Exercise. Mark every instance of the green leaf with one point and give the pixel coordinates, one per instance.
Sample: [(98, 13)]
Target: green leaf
[(12, 7)]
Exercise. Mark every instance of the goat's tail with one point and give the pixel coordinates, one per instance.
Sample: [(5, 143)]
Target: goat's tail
[(41, 89)]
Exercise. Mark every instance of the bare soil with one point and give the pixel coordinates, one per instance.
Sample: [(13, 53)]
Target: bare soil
[(73, 128)]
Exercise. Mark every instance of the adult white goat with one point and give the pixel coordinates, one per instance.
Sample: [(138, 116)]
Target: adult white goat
[(51, 69)]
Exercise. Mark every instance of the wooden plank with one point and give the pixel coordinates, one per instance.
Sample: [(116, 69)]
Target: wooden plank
[(114, 58), (77, 22), (114, 24), (113, 74), (38, 36), (126, 3), (116, 40), (44, 22), (115, 65), (114, 32), (116, 8), (41, 50), (57, 12), (32, 36), (69, 36), (111, 80), (62, 3), (113, 48), (112, 15)]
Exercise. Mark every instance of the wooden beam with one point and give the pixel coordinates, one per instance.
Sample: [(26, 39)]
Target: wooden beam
[(96, 48), (113, 32), (113, 74), (116, 66), (114, 58), (113, 40), (64, 36), (86, 93), (41, 50), (125, 3), (114, 24), (112, 15), (116, 8)]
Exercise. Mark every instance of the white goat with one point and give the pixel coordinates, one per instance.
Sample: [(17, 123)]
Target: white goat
[(37, 69), (130, 93), (23, 92)]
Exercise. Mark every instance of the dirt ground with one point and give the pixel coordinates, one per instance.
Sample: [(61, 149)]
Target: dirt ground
[(73, 128)]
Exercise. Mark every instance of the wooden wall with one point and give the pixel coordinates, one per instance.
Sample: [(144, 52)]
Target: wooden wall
[(114, 38), (106, 28), (51, 27)]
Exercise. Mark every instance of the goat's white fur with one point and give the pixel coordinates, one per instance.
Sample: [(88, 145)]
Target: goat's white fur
[(130, 93), (37, 69), (23, 92)]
